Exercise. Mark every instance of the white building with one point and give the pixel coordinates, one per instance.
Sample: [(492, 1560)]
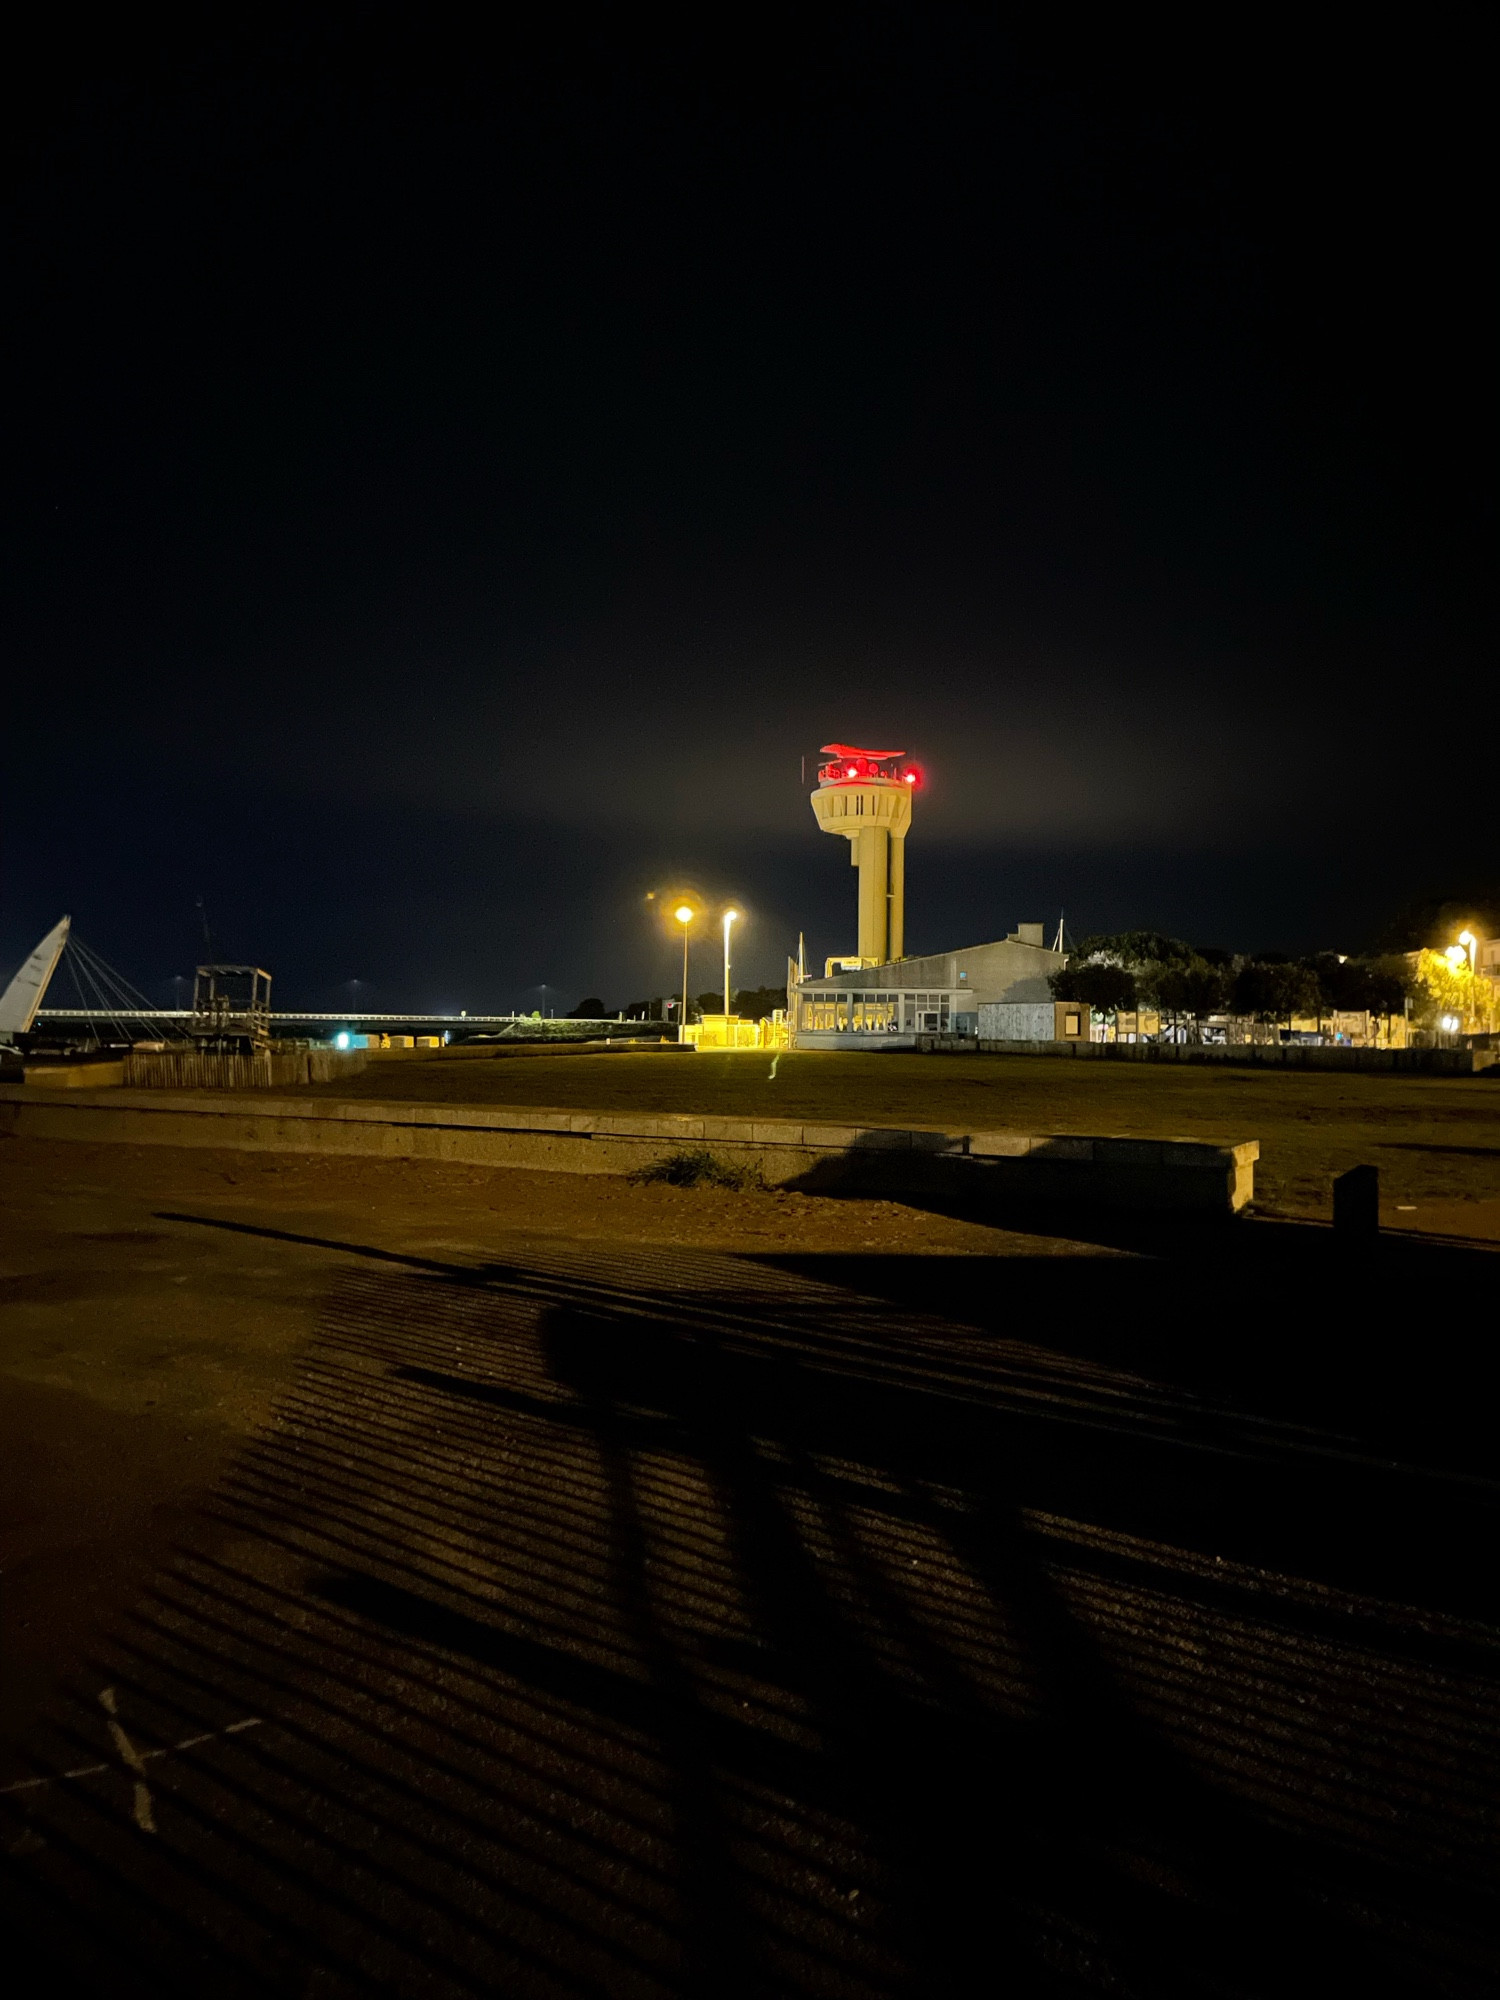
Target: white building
[(888, 1006)]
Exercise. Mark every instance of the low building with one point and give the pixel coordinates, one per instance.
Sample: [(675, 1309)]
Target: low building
[(891, 1005)]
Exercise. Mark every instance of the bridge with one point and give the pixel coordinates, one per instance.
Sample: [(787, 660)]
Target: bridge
[(356, 1021)]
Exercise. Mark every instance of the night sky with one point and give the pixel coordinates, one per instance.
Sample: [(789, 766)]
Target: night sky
[(456, 472)]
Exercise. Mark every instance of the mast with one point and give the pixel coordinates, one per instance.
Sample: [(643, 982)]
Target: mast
[(21, 999)]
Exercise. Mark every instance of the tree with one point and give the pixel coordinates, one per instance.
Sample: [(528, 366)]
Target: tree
[(1104, 988), (1274, 989), (1361, 985), (1134, 949), (755, 1003), (1387, 984), (588, 1010), (1444, 988), (1192, 987)]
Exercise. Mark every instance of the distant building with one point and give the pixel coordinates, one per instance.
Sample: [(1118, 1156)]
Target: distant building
[(891, 1005)]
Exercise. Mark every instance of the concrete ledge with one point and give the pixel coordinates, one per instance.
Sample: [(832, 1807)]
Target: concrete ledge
[(1174, 1174)]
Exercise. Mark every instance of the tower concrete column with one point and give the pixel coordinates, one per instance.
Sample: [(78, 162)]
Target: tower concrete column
[(897, 940), (872, 854)]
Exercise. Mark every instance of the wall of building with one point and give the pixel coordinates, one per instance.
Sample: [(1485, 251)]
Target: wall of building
[(1033, 1021), (1016, 1021)]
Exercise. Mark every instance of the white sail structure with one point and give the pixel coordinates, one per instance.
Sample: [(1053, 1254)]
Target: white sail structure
[(20, 1000)]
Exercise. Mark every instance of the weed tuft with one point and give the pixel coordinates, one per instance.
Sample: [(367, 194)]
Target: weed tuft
[(695, 1166)]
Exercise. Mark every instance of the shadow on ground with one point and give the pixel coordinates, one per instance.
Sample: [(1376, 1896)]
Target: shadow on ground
[(667, 1623)]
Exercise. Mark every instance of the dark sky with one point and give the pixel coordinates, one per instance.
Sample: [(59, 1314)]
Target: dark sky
[(455, 473)]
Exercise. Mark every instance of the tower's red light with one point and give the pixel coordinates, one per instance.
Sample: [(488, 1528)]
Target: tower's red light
[(911, 777)]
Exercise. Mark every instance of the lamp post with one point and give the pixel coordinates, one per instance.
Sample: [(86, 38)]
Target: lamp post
[(730, 916), (684, 915)]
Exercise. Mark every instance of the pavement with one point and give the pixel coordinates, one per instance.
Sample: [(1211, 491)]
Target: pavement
[(716, 1598)]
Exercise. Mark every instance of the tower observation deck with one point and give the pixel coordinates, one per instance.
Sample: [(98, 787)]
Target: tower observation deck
[(865, 795)]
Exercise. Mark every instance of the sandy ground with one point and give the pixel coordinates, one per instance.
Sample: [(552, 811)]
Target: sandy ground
[(450, 1581), (1436, 1140)]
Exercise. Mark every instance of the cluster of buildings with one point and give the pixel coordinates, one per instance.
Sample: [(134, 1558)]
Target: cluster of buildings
[(1000, 992), (878, 997)]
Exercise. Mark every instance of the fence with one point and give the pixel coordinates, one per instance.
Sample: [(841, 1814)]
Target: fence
[(218, 1069)]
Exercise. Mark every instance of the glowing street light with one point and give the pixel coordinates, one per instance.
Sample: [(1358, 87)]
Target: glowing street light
[(684, 914), (730, 917)]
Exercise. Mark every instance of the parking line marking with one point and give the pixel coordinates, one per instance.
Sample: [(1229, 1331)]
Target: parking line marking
[(144, 1756)]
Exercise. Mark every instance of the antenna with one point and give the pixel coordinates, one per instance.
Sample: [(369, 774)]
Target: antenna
[(1059, 945)]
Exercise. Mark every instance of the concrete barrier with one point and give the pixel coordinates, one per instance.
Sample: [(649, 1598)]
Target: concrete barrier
[(1163, 1174), (1253, 1055), (75, 1076)]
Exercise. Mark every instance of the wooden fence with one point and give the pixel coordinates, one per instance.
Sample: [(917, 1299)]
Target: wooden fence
[(218, 1069)]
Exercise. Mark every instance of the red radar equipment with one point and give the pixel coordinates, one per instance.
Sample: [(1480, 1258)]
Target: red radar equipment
[(861, 767)]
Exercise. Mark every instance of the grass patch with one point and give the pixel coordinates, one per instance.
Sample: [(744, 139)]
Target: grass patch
[(695, 1166)]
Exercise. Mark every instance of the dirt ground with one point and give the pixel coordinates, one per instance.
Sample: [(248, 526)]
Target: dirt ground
[(442, 1581), (1435, 1139)]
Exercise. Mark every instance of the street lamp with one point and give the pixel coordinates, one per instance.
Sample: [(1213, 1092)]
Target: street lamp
[(730, 916), (684, 914)]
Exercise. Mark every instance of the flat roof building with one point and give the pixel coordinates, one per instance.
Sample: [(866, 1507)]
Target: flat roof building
[(939, 994)]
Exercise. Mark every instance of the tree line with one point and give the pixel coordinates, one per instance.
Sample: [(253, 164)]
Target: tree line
[(1186, 984)]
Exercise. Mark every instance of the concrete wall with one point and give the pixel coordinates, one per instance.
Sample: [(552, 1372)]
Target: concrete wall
[(74, 1076), (1008, 970), (1170, 1175)]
